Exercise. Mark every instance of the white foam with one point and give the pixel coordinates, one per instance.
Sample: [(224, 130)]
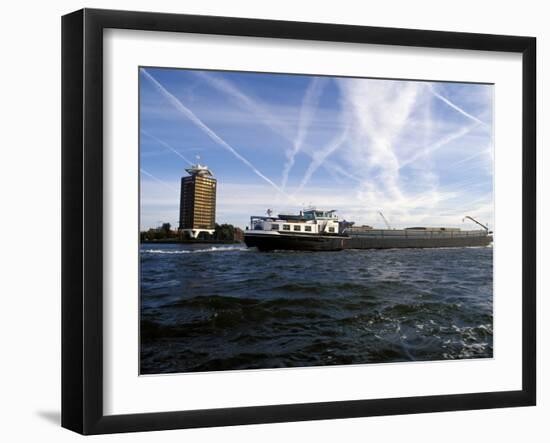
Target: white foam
[(195, 251)]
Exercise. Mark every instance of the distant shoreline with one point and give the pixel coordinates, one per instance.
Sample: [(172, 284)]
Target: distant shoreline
[(190, 241)]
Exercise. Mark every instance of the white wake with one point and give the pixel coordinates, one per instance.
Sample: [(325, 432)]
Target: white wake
[(195, 251)]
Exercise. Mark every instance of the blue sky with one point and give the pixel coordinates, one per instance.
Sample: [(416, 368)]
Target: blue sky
[(420, 152)]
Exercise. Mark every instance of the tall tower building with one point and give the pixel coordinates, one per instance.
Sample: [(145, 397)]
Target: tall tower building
[(198, 201)]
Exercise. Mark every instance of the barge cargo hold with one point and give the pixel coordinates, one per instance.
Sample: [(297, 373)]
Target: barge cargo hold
[(315, 230), (416, 238)]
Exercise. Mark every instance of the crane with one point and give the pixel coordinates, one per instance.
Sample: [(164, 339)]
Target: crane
[(475, 221), (385, 221)]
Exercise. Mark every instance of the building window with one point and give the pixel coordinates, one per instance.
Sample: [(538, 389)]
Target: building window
[(330, 229), (297, 228), (286, 227), (274, 227), (307, 228)]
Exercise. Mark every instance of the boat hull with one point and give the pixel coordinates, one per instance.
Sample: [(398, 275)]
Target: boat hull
[(294, 242), (337, 243)]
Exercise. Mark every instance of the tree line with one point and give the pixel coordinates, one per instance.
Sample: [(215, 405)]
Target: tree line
[(223, 232)]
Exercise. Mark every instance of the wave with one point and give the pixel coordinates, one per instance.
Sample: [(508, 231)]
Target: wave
[(220, 302), (194, 251)]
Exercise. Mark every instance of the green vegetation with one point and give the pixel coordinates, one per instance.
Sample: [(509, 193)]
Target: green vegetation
[(224, 233), (163, 232)]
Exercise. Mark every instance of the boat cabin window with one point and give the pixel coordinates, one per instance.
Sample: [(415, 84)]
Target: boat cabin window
[(286, 227), (274, 227), (297, 228), (307, 228), (330, 229)]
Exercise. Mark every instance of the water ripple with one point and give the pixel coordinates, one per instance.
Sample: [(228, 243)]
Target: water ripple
[(207, 308)]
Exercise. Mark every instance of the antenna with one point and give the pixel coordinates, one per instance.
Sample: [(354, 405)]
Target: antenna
[(385, 221)]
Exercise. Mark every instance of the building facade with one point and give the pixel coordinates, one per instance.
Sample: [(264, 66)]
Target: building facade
[(198, 201)]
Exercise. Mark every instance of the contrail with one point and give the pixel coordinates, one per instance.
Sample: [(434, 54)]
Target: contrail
[(265, 117), (198, 122), (158, 180), (462, 186), (245, 101), (166, 145), (455, 107), (309, 103), (467, 159), (321, 156), (380, 111), (439, 144)]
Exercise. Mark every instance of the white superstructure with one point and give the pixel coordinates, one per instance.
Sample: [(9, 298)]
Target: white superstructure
[(309, 221)]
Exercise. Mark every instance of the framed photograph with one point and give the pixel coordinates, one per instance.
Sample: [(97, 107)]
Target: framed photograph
[(269, 221)]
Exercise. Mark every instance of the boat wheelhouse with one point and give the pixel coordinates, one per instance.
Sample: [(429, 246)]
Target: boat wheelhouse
[(311, 221)]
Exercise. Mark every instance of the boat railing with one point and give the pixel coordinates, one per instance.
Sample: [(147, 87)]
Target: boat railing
[(413, 234)]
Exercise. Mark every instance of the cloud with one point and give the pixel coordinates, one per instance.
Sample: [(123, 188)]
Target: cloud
[(392, 128), (158, 180), (379, 110), (166, 145), (203, 127), (455, 106), (255, 107), (275, 122), (475, 155), (438, 144), (309, 105), (160, 202), (320, 156), (396, 147)]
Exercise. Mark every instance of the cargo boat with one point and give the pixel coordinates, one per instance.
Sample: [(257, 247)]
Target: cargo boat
[(317, 230)]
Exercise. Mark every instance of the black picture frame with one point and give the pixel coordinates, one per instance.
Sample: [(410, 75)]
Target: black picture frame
[(82, 215)]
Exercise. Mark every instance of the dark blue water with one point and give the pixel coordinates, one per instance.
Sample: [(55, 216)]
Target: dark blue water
[(223, 307)]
